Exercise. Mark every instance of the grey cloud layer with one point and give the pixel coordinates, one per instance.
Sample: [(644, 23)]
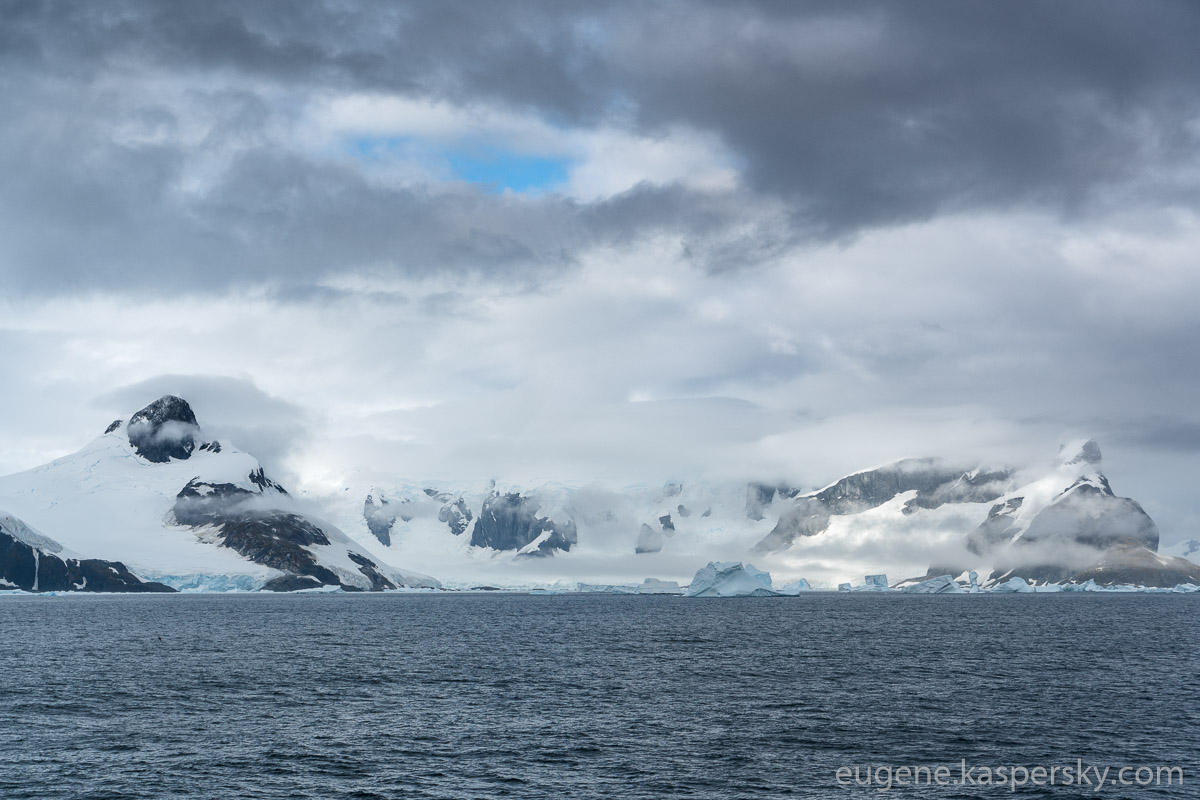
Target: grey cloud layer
[(846, 117)]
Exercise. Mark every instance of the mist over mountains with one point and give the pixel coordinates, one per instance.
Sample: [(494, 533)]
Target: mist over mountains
[(153, 504)]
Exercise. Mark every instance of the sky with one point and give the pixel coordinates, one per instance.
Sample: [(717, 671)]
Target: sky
[(612, 241)]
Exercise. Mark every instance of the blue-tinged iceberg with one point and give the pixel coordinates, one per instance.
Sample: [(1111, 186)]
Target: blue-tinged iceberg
[(730, 579), (1013, 585), (942, 584)]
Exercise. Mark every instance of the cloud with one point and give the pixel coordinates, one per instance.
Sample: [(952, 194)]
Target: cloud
[(154, 148), (229, 409), (759, 238)]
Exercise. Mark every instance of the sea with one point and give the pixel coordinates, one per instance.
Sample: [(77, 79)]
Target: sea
[(497, 695)]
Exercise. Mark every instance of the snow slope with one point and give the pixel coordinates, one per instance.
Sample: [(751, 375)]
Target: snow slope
[(107, 501)]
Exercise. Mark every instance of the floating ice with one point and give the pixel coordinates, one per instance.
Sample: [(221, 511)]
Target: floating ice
[(730, 579), (201, 582), (655, 586), (1087, 586), (1013, 586), (606, 588), (942, 584), (795, 587)]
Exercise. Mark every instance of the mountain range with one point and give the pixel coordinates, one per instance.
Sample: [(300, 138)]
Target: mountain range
[(154, 505)]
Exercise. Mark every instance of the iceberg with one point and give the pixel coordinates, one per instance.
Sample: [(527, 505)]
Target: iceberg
[(204, 583), (655, 586), (606, 588), (730, 579), (1186, 588), (1087, 586), (795, 587), (1013, 586), (873, 583), (942, 584)]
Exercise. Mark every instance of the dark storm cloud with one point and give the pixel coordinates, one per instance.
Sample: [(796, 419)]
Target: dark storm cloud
[(845, 116)]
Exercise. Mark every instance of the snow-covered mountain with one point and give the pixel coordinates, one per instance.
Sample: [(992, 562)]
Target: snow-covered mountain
[(1189, 549), (154, 495), (908, 518), (154, 504), (33, 562)]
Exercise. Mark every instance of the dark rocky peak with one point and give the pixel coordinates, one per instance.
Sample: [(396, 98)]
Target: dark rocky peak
[(934, 482), (380, 516), (456, 515), (510, 522), (1095, 484), (760, 495), (165, 429), (264, 484), (1085, 451)]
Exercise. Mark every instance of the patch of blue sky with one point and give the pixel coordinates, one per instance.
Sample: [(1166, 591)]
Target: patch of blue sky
[(493, 168)]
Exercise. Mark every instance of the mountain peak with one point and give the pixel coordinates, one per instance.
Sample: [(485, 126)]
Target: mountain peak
[(1080, 451), (165, 429)]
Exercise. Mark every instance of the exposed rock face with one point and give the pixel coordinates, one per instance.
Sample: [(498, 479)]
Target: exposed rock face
[(163, 430), (999, 527), (1084, 533), (649, 540), (456, 515), (26, 565), (1072, 530), (510, 522), (1082, 452), (761, 495), (380, 516), (278, 539), (381, 513), (1140, 566), (1092, 515), (934, 483)]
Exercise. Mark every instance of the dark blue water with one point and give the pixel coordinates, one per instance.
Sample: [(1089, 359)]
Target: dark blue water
[(491, 696)]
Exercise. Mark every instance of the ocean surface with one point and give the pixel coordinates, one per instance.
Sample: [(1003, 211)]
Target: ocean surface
[(577, 696)]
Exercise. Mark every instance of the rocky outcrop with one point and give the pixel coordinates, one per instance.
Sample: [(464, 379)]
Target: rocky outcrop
[(649, 540), (381, 515), (1090, 514), (510, 522), (1139, 566), (33, 563), (381, 512), (456, 515), (935, 484), (244, 522), (1081, 524), (760, 495), (164, 430)]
